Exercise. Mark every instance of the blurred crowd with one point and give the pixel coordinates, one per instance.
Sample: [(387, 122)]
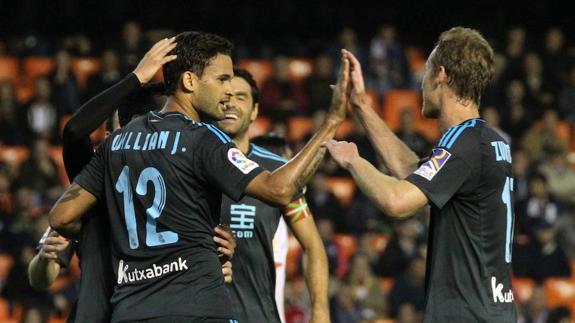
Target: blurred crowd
[(377, 266)]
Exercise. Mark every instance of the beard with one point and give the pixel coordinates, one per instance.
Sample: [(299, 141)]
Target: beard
[(429, 110)]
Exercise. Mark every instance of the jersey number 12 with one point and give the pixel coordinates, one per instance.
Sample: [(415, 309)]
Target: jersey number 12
[(153, 237)]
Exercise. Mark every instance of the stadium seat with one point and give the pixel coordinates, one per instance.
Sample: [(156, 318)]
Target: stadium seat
[(345, 129), (260, 69), (562, 131), (6, 264), (342, 187), (13, 155), (299, 127), (299, 68), (374, 100), (416, 59), (260, 126), (24, 91), (560, 291), (429, 128), (386, 284), (379, 242), (83, 68), (347, 245), (35, 67), (395, 102), (9, 69), (522, 289), (293, 255)]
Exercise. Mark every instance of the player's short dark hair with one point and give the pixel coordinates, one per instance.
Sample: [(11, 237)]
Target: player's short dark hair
[(247, 76), (140, 102), (468, 61), (195, 50), (272, 142)]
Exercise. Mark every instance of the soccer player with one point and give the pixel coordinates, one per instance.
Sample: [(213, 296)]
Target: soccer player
[(255, 222), (97, 278), (162, 177), (467, 181)]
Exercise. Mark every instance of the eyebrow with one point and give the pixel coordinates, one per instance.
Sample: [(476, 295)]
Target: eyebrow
[(225, 76), (241, 93)]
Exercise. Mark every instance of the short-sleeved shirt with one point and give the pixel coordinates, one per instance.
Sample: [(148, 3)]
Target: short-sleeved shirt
[(469, 183), (254, 224), (162, 177)]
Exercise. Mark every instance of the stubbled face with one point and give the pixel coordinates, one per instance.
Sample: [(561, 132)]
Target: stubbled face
[(430, 91), (240, 112), (213, 90)]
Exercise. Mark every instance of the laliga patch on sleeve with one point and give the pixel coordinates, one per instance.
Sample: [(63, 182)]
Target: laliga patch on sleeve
[(238, 159), (430, 168)]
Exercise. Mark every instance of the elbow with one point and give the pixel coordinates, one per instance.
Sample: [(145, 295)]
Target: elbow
[(396, 209), (66, 226), (284, 195)]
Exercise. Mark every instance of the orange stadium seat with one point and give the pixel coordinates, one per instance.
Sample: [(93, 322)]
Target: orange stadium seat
[(24, 91), (260, 126), (35, 67), (563, 130), (429, 128), (379, 242), (342, 187), (84, 67), (299, 127), (293, 255), (560, 291), (260, 69), (6, 264), (345, 129), (386, 284), (13, 155), (395, 102), (374, 100), (299, 68), (9, 69), (416, 59), (347, 245), (523, 289)]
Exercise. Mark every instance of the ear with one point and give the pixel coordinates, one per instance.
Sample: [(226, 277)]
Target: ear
[(255, 112), (441, 75), (189, 81)]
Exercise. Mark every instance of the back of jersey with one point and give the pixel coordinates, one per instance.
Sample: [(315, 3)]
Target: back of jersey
[(163, 180)]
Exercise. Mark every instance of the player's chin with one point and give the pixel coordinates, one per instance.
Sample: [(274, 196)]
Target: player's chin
[(429, 112)]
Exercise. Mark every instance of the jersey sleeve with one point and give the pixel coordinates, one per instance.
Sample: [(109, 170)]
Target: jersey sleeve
[(91, 178), (443, 174), (223, 165)]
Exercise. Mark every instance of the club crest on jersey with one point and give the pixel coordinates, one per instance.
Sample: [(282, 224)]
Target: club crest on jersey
[(239, 160), (430, 168)]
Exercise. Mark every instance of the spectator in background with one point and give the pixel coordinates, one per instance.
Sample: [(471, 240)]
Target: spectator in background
[(363, 216), (555, 58), (343, 308), (494, 94), (540, 205), (413, 139), (365, 289), (515, 52), (539, 138), (536, 310), (408, 314), (324, 203), (560, 177), (40, 172), (537, 87), (402, 248), (566, 99), (132, 47), (347, 39), (546, 258), (11, 132), (108, 76), (317, 86), (409, 288), (521, 175), (491, 117), (65, 92), (516, 115), (325, 229), (40, 114), (388, 61), (281, 97)]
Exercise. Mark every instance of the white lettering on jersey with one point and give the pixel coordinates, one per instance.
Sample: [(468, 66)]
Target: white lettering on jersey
[(498, 295)]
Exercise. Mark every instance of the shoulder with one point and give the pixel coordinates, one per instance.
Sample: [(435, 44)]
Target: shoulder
[(464, 138), (269, 160)]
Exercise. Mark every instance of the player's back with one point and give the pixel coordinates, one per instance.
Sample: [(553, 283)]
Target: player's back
[(469, 182), (163, 206)]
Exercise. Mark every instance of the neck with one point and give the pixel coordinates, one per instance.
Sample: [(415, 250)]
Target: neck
[(454, 111), (242, 141), (177, 103)]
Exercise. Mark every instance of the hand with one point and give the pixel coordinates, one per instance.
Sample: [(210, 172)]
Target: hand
[(357, 97), (226, 241), (53, 245), (343, 152), (154, 59), (340, 96), (227, 271)]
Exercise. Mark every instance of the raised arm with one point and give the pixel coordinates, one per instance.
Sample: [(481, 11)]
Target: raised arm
[(77, 148), (283, 184), (397, 157)]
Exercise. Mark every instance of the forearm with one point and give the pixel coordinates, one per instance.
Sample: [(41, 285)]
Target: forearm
[(396, 156), (294, 175), (317, 276), (42, 272), (94, 112), (388, 193)]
